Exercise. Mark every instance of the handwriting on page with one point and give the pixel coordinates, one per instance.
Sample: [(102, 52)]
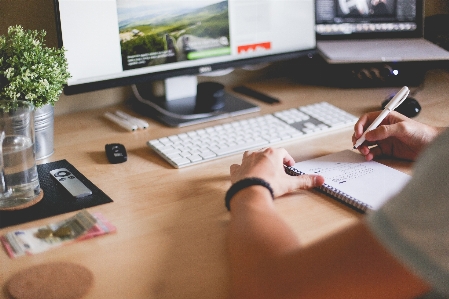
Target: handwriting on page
[(365, 185), (343, 172)]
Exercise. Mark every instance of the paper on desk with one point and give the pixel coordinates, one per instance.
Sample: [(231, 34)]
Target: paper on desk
[(348, 175), (83, 226)]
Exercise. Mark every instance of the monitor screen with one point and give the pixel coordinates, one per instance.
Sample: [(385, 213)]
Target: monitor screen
[(121, 42), (368, 18)]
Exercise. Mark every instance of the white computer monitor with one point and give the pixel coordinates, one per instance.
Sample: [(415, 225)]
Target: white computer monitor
[(113, 43)]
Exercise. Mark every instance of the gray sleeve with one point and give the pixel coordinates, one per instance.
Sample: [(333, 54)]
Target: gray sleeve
[(414, 225)]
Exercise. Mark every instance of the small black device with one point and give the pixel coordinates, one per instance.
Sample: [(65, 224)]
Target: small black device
[(410, 107), (255, 94), (116, 153), (70, 182)]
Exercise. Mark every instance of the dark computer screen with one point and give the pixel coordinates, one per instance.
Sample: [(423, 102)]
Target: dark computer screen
[(368, 18), (122, 42)]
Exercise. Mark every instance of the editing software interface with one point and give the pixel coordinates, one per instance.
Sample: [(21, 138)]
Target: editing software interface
[(336, 17), (111, 40)]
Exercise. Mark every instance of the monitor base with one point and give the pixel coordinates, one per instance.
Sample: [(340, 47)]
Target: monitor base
[(181, 112)]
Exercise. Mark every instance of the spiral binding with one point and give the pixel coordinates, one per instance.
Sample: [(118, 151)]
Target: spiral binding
[(333, 192)]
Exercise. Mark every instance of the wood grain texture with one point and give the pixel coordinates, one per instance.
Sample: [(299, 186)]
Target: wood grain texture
[(172, 224)]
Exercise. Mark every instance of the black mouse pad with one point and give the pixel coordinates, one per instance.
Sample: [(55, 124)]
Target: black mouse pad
[(56, 200)]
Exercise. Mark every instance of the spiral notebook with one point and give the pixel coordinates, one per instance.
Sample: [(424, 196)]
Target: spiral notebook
[(363, 185)]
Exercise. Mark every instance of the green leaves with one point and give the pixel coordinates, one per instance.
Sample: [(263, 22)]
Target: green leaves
[(29, 70)]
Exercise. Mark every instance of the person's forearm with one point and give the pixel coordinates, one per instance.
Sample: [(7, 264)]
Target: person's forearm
[(429, 135), (256, 235)]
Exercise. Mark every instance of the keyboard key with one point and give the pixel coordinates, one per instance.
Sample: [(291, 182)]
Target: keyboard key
[(240, 148)]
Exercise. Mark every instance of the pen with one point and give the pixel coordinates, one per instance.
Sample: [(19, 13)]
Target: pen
[(137, 121), (393, 104), (120, 121)]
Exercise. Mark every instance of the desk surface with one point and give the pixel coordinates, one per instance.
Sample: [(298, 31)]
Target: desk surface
[(172, 224)]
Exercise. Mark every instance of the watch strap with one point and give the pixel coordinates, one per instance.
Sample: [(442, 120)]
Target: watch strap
[(242, 184)]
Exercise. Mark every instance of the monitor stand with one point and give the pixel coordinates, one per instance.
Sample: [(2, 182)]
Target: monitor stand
[(181, 110)]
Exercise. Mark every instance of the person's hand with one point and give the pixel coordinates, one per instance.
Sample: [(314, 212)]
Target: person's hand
[(268, 164), (397, 136)]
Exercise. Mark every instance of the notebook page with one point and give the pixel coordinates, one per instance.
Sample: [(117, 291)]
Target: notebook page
[(369, 182)]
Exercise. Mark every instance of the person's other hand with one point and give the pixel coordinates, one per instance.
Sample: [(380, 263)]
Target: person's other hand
[(268, 164), (397, 136)]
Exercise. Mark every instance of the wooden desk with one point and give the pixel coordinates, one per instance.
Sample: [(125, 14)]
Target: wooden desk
[(172, 224)]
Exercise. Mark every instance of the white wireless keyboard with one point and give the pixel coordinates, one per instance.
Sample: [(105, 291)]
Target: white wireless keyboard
[(218, 141)]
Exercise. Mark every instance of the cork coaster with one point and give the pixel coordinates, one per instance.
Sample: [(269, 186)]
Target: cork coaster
[(34, 201), (58, 280)]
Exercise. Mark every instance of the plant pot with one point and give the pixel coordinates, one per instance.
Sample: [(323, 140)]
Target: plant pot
[(44, 131)]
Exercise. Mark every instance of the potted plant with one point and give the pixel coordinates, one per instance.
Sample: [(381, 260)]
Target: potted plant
[(30, 71)]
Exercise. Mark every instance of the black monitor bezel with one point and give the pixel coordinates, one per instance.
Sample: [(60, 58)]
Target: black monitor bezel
[(193, 70)]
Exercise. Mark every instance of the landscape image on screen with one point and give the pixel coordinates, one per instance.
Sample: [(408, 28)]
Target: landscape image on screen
[(165, 31)]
